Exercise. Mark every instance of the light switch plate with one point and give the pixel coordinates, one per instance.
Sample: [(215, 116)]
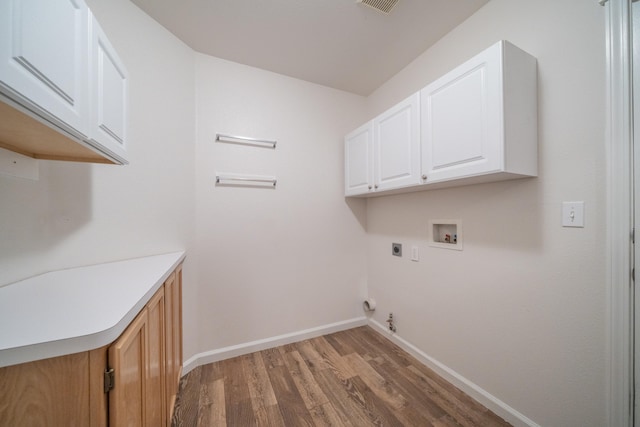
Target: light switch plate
[(415, 253), (573, 214)]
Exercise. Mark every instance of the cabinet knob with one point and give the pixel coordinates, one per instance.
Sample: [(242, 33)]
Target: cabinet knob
[(369, 187), (424, 177), (376, 186)]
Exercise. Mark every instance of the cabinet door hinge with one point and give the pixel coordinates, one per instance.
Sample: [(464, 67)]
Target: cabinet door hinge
[(633, 236), (109, 379)]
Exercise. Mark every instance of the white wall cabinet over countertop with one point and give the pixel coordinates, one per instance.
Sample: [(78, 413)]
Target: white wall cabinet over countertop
[(384, 154), (477, 123), (62, 85)]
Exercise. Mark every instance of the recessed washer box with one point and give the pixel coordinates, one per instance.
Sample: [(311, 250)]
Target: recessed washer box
[(446, 234)]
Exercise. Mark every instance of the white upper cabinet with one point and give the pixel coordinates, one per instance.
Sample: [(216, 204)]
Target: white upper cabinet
[(384, 153), (358, 153), (63, 89), (397, 145), (480, 120), (477, 123), (108, 94), (44, 58)]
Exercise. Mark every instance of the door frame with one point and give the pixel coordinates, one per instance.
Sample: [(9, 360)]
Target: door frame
[(619, 187)]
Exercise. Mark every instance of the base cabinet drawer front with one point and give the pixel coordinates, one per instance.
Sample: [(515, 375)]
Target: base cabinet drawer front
[(70, 390)]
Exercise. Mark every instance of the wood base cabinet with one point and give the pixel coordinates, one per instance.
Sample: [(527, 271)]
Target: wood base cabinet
[(132, 382)]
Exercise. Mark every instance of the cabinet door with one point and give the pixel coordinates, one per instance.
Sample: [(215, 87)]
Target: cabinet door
[(173, 340), (128, 358), (155, 395), (358, 160), (50, 392), (108, 96), (44, 59), (397, 145), (461, 120)]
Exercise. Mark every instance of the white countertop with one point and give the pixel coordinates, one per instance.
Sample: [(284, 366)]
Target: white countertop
[(79, 309)]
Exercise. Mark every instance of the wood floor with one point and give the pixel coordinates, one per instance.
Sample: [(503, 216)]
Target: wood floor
[(350, 378)]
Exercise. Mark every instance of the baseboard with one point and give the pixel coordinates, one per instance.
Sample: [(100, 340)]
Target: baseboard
[(482, 396), (263, 344)]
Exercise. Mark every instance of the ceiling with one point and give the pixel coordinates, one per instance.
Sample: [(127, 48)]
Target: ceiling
[(336, 43)]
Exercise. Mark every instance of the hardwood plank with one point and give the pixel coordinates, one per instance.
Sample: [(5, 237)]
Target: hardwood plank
[(344, 398), (272, 358), (342, 348), (395, 353), (308, 352), (373, 404), (346, 339), (235, 382), (290, 403), (466, 411), (418, 405), (238, 409), (326, 415), (260, 388), (380, 386), (308, 388), (185, 412), (332, 359), (388, 391), (239, 413), (269, 416), (212, 408)]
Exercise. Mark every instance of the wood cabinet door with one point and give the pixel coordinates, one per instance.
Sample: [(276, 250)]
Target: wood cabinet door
[(462, 126), (358, 161), (170, 287), (128, 358), (397, 145), (155, 395), (50, 392), (44, 59), (108, 96), (177, 331), (173, 334)]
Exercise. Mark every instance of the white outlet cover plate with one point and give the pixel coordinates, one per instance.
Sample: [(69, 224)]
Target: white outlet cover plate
[(573, 214)]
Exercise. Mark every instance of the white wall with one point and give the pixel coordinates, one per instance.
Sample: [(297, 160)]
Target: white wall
[(521, 311), (272, 262), (79, 214)]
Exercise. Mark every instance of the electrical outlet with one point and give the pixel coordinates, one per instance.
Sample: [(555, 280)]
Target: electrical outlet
[(396, 249)]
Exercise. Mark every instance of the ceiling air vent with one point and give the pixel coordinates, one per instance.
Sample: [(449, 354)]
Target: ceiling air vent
[(381, 5)]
